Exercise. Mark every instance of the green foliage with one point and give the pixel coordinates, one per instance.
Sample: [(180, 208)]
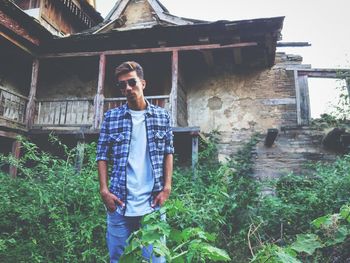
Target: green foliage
[(186, 245), (50, 213), (332, 233), (218, 198)]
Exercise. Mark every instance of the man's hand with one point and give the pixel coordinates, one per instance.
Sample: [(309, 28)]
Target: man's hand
[(111, 201), (161, 197)]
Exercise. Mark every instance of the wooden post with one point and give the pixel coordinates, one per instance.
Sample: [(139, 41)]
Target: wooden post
[(194, 153), (297, 97), (348, 86), (305, 113), (32, 93), (79, 158), (16, 150), (174, 83), (98, 102), (270, 137)]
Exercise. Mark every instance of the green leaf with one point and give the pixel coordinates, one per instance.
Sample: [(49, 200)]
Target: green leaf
[(322, 221), (215, 253), (345, 212), (285, 257), (307, 243), (339, 237)]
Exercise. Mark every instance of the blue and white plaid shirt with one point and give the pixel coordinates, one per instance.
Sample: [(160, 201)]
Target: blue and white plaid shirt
[(114, 142)]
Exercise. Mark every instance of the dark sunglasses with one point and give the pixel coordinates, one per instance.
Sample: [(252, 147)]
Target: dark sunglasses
[(122, 84)]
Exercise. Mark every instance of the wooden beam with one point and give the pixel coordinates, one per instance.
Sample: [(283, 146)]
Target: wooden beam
[(16, 43), (7, 134), (79, 157), (194, 154), (297, 97), (305, 113), (348, 86), (32, 93), (293, 44), (174, 87), (16, 151), (98, 102), (149, 50), (270, 137), (194, 129), (325, 73)]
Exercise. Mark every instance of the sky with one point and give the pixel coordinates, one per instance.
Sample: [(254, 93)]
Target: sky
[(323, 23)]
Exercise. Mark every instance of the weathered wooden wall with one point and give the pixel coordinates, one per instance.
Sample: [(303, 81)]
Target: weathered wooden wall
[(138, 12)]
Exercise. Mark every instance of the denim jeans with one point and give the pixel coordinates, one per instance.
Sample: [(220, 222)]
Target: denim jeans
[(119, 228)]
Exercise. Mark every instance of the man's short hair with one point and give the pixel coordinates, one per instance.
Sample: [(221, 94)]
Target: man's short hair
[(128, 66)]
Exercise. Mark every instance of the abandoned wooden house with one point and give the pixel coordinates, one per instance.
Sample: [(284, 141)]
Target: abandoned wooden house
[(62, 17), (223, 75)]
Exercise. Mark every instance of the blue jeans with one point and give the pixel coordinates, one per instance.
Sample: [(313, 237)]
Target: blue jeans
[(119, 228)]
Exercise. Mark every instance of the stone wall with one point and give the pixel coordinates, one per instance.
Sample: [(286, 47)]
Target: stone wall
[(239, 104), (292, 150)]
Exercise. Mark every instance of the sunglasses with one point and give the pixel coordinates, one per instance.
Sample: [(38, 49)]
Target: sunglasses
[(123, 84)]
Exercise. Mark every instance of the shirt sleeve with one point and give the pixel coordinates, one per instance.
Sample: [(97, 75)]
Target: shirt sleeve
[(102, 153), (169, 141)]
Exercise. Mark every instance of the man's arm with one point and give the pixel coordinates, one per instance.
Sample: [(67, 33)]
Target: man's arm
[(108, 198), (168, 173)]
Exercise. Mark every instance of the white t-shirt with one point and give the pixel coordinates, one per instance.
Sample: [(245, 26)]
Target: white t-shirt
[(139, 180)]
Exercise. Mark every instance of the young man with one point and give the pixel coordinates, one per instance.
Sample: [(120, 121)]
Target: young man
[(137, 140)]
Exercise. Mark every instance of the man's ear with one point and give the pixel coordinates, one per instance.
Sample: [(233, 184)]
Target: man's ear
[(143, 83)]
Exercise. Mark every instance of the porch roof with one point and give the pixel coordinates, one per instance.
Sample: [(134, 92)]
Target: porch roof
[(265, 32)]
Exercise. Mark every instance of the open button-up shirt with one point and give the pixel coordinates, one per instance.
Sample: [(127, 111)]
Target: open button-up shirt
[(114, 144)]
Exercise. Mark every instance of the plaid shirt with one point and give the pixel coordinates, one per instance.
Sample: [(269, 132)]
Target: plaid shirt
[(114, 143)]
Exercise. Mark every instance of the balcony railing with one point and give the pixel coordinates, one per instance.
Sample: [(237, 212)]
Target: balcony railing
[(12, 106), (79, 112), (161, 101), (64, 112)]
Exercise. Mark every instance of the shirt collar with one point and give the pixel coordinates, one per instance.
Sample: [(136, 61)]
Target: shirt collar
[(149, 108)]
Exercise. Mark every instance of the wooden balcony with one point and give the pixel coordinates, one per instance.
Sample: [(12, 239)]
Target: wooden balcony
[(64, 112), (12, 109), (80, 112), (161, 101)]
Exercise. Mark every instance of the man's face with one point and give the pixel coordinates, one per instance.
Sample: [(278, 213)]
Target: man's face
[(131, 86)]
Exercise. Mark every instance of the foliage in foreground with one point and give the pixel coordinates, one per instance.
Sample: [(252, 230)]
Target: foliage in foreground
[(52, 214)]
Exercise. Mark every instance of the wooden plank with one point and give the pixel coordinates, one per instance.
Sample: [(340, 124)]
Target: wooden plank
[(297, 97), (31, 100), (194, 154), (348, 86), (293, 44), (270, 137), (79, 158), (305, 113), (7, 134), (174, 87), (98, 105), (325, 73), (16, 43), (13, 93), (194, 129), (16, 151), (149, 50), (65, 99)]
